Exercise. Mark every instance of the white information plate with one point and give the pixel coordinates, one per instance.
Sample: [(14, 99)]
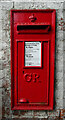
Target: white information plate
[(32, 53)]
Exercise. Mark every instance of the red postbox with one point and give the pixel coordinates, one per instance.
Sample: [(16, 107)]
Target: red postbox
[(32, 59)]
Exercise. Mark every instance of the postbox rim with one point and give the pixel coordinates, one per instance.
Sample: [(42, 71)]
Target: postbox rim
[(17, 107)]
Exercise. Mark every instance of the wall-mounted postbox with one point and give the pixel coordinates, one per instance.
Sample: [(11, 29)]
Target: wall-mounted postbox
[(32, 59)]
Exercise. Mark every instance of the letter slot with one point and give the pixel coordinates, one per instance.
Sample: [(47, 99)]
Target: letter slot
[(45, 28)]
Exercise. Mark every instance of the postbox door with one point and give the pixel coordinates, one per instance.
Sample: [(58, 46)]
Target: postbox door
[(33, 72)]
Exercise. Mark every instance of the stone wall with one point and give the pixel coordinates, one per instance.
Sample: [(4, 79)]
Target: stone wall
[(5, 66)]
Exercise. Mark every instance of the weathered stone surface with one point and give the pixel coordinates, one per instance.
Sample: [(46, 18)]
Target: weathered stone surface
[(40, 114), (6, 5), (5, 68)]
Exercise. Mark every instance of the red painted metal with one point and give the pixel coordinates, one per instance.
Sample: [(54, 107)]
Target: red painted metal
[(32, 87)]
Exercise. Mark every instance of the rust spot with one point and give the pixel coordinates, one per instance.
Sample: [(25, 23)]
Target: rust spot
[(15, 112), (7, 111), (62, 114), (3, 111), (61, 28), (62, 22), (61, 18), (22, 112)]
